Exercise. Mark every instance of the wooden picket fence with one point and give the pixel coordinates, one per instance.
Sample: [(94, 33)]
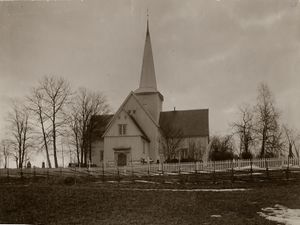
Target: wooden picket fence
[(159, 169)]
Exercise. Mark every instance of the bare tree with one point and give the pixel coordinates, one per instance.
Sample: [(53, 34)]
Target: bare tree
[(56, 94), (244, 129), (6, 148), (38, 107), (292, 138), (86, 104), (267, 123), (196, 149), (171, 140), (75, 134), (21, 131), (221, 148)]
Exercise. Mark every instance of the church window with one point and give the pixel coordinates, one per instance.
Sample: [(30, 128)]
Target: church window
[(122, 129)]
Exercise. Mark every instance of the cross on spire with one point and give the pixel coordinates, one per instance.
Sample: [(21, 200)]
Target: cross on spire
[(147, 20)]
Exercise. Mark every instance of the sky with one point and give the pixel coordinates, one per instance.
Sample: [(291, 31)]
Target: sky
[(207, 54)]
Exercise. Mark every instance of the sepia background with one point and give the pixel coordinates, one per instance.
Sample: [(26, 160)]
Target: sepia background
[(207, 54)]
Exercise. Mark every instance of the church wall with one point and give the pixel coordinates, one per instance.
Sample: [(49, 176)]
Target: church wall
[(97, 146), (132, 140), (200, 143), (134, 153), (192, 147), (146, 124)]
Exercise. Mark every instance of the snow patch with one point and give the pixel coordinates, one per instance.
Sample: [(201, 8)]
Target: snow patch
[(281, 214), (249, 168), (215, 216), (204, 171), (248, 174), (168, 182), (145, 181), (186, 190)]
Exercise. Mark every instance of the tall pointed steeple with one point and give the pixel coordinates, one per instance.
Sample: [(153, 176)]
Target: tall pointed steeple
[(147, 93), (148, 79)]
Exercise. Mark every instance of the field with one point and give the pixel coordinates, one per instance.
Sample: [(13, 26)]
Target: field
[(144, 202)]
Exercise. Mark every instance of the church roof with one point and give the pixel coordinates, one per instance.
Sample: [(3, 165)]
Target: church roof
[(191, 123), (100, 123), (131, 94), (140, 128), (148, 79)]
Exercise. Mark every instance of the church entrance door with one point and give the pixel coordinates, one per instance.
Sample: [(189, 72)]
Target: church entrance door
[(122, 159)]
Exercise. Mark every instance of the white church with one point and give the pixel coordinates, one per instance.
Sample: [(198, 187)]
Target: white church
[(134, 134)]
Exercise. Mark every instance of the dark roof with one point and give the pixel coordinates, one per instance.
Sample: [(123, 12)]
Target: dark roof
[(189, 122), (100, 123), (139, 127)]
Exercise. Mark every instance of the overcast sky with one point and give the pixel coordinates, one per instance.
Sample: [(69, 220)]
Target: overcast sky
[(207, 54)]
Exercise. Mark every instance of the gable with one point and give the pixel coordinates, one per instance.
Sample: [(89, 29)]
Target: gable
[(191, 123), (131, 127), (133, 107)]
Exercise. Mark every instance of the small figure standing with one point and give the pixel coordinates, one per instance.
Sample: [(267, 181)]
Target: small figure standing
[(28, 165), (43, 164)]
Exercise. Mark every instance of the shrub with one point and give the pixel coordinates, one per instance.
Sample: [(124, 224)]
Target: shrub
[(246, 155), (172, 161), (221, 148)]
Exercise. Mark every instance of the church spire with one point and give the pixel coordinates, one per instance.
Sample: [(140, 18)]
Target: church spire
[(148, 79)]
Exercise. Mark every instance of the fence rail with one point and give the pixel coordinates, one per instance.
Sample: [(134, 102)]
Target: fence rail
[(159, 169)]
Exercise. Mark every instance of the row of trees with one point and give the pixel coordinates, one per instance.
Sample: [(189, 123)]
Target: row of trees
[(50, 113), (259, 132)]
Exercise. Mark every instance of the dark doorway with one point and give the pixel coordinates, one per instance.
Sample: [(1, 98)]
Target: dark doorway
[(122, 159)]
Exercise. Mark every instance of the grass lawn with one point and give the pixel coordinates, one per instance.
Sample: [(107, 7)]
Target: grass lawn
[(96, 203)]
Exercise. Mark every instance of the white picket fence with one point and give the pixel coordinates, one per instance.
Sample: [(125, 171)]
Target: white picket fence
[(210, 166), (162, 168)]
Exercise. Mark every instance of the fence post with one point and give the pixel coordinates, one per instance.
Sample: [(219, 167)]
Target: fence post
[(118, 173), (148, 167), (75, 175), (267, 168), (232, 172), (161, 165), (287, 168), (196, 167), (34, 173), (132, 172), (214, 173), (103, 179), (47, 175), (21, 173), (251, 168)]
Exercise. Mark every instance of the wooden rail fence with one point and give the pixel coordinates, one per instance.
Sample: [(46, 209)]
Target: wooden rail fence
[(159, 169)]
